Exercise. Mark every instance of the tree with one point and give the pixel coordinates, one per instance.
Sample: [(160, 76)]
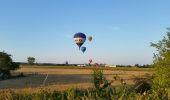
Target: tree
[(137, 65), (31, 60), (6, 64), (66, 63), (162, 63)]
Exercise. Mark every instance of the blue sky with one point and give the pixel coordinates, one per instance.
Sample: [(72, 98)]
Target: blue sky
[(122, 29)]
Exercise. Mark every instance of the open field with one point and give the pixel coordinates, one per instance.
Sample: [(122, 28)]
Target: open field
[(61, 78)]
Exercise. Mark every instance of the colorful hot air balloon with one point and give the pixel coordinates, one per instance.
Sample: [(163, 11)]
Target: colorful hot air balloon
[(79, 39), (83, 49), (90, 38)]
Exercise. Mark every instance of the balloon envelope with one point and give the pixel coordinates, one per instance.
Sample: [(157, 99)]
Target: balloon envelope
[(90, 38), (90, 60), (79, 39), (83, 49)]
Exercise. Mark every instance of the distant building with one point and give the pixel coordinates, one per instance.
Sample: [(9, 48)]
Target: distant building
[(82, 65), (110, 65)]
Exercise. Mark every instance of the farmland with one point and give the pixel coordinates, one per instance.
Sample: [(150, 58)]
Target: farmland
[(61, 78)]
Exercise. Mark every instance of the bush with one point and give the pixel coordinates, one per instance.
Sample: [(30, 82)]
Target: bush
[(6, 64)]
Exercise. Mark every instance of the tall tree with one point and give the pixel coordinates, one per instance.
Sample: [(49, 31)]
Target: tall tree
[(31, 60), (162, 62), (6, 64)]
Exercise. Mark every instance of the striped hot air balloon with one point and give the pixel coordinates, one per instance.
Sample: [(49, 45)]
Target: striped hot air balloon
[(79, 39)]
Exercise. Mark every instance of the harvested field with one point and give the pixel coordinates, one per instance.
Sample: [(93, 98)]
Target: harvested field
[(64, 78)]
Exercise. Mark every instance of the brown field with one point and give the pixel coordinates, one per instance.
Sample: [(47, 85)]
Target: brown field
[(61, 78)]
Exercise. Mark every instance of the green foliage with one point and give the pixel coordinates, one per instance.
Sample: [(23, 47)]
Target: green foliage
[(70, 94), (162, 64), (31, 60), (6, 63), (102, 86)]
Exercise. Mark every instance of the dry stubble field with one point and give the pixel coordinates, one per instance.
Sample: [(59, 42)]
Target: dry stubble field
[(61, 78)]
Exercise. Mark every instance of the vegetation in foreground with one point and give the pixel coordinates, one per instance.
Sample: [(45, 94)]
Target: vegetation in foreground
[(103, 90)]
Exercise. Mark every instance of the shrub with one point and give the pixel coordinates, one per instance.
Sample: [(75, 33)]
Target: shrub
[(6, 64)]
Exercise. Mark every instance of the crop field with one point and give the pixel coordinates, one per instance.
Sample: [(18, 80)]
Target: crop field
[(61, 78)]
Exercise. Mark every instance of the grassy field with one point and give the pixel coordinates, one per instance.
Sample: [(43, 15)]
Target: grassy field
[(62, 78)]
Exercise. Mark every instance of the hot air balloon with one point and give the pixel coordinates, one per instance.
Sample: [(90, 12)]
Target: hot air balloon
[(90, 38), (96, 64), (83, 49), (79, 39), (90, 60)]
